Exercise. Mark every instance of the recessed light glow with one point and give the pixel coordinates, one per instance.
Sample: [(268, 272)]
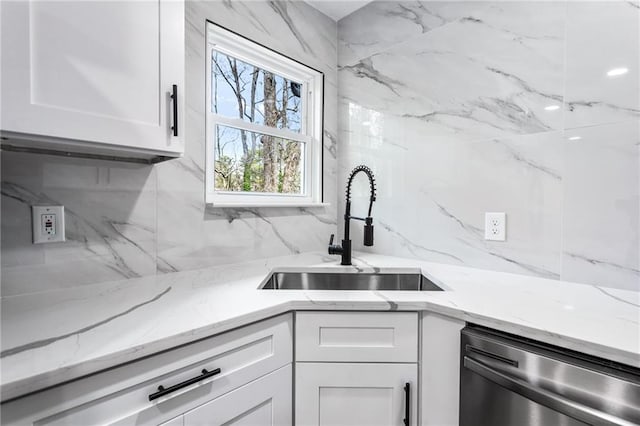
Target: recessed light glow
[(575, 138), (551, 108), (617, 71)]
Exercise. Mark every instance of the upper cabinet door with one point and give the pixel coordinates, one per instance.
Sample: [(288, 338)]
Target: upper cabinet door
[(95, 71)]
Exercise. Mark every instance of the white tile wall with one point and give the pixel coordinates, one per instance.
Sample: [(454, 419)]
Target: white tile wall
[(600, 206), (448, 103)]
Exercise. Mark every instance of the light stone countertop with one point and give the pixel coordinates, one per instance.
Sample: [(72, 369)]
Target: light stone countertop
[(49, 338)]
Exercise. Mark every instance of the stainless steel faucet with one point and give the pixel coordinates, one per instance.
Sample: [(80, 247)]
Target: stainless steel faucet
[(345, 249)]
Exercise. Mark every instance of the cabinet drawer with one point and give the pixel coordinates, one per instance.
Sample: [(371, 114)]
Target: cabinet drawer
[(267, 401), (357, 336), (121, 395)]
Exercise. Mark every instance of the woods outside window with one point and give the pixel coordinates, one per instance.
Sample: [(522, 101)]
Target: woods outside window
[(264, 125)]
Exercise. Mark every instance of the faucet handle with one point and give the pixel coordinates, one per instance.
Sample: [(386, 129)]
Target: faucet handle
[(334, 249), (368, 232)]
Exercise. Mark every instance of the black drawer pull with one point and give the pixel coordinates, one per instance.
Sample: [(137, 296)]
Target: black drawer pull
[(162, 391), (407, 404), (174, 97)]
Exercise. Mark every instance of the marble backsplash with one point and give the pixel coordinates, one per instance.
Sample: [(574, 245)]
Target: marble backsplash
[(467, 107), (126, 221), (444, 100)]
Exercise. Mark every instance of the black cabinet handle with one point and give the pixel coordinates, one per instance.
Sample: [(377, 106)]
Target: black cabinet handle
[(162, 391), (174, 97), (407, 403)]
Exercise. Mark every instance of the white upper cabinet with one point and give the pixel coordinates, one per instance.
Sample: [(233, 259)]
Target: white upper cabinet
[(93, 76)]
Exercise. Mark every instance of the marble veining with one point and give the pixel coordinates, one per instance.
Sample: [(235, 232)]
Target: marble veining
[(90, 327), (469, 107), (133, 221), (414, 248), (281, 9), (110, 226), (591, 96), (447, 101), (191, 235), (46, 342), (604, 291)]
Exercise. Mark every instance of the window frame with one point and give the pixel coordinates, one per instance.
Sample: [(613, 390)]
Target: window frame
[(229, 43)]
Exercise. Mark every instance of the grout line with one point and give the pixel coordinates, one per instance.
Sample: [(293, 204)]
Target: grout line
[(564, 142), (155, 197)]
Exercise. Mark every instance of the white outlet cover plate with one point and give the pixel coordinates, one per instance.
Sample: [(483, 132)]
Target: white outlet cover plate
[(495, 226), (39, 234)]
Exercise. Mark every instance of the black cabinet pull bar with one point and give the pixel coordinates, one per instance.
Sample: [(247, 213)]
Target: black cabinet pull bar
[(162, 391), (174, 97), (407, 405)]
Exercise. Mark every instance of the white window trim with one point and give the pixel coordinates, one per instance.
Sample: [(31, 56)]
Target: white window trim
[(312, 81)]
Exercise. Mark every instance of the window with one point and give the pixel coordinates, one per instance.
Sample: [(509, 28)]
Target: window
[(264, 125)]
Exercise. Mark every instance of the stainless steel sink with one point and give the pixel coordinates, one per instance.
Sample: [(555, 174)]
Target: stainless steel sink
[(348, 281)]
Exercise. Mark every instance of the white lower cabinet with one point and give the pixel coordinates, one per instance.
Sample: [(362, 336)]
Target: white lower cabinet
[(233, 371), (351, 394), (356, 369), (264, 402), (351, 369)]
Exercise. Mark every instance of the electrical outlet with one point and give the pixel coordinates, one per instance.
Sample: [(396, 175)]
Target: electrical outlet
[(48, 224), (495, 225)]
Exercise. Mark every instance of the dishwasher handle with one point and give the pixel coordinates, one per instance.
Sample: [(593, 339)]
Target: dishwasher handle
[(544, 397)]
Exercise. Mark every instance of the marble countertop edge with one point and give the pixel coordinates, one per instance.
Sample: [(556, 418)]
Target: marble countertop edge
[(181, 308)]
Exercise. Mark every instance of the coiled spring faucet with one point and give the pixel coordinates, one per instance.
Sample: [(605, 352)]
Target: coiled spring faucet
[(345, 249)]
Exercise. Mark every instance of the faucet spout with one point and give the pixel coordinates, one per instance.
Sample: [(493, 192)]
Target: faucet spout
[(345, 249), (372, 185)]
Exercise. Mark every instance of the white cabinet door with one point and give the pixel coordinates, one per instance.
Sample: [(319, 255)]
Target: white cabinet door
[(263, 402), (98, 71), (329, 394)]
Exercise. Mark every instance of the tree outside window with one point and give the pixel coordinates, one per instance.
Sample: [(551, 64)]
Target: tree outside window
[(264, 126)]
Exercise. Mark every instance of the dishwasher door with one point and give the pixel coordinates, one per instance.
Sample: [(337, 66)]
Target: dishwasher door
[(507, 381)]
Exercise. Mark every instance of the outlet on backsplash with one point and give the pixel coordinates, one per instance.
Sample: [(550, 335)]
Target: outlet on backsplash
[(48, 224), (495, 226)]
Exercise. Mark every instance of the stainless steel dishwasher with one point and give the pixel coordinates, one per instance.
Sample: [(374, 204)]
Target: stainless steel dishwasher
[(511, 381)]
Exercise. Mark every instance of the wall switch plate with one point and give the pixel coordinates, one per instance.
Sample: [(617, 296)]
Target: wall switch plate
[(495, 226), (48, 224)]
